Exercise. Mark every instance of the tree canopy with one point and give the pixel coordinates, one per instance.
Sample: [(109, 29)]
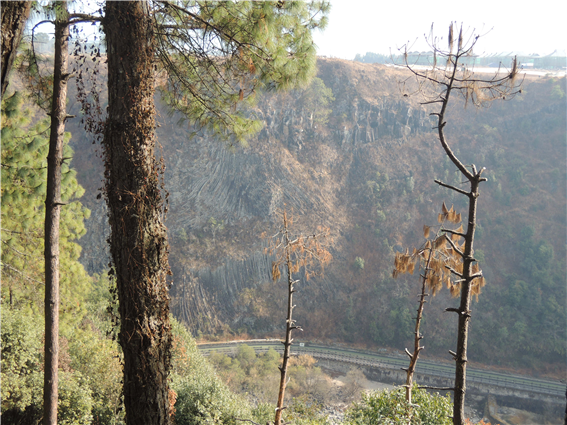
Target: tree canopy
[(216, 56)]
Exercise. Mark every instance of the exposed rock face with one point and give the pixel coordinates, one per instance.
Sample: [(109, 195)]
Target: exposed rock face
[(235, 187), (95, 254), (295, 162), (364, 166), (292, 161), (228, 281)]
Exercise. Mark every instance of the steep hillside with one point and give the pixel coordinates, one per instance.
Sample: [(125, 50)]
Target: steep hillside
[(363, 164)]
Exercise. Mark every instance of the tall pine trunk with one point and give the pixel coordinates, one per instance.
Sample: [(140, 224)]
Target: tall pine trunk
[(14, 17), (138, 241), (52, 217), (464, 310)]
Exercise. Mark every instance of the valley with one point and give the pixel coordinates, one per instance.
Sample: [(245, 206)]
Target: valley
[(351, 153)]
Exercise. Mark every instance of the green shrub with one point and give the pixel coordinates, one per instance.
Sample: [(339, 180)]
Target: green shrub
[(96, 360), (390, 408), (22, 379), (301, 411), (75, 400), (201, 396), (380, 216), (359, 263)]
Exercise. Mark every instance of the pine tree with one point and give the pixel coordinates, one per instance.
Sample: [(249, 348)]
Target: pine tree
[(25, 149), (216, 55), (51, 93), (24, 173), (219, 55), (449, 74)]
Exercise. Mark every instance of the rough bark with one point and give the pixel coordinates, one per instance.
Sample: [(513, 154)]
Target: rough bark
[(138, 240), (465, 309), (14, 17), (52, 219)]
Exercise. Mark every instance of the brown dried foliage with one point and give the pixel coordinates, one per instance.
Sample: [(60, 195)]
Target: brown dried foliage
[(444, 257), (478, 88), (307, 252)]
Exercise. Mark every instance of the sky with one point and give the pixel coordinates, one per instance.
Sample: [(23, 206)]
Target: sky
[(360, 26)]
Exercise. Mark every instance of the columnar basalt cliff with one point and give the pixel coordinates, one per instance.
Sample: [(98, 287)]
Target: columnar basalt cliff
[(362, 161)]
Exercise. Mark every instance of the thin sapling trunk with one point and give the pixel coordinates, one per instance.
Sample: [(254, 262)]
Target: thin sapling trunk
[(292, 254), (52, 217), (290, 324), (434, 255)]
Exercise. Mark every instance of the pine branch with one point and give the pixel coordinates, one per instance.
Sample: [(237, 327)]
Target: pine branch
[(448, 186), (453, 243), (21, 273), (454, 232), (452, 270)]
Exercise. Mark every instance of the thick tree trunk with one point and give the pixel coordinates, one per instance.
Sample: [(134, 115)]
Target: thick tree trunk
[(14, 17), (465, 309), (52, 218), (138, 241)]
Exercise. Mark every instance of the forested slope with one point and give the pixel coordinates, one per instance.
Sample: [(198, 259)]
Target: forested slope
[(90, 360), (351, 152)]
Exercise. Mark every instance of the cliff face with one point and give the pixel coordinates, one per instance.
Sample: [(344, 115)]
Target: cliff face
[(363, 164), (309, 165)]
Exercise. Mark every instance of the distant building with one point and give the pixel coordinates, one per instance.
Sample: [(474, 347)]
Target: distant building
[(555, 60)]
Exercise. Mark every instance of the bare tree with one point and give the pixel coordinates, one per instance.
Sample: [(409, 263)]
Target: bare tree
[(452, 71), (294, 253), (433, 258)]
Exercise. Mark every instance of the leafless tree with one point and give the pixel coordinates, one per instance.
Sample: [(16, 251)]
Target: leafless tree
[(452, 71), (436, 257), (294, 253)]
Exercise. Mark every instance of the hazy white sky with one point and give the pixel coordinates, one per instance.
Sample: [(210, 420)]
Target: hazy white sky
[(360, 26)]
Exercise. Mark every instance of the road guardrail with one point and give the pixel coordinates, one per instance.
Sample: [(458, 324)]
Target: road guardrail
[(372, 359)]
